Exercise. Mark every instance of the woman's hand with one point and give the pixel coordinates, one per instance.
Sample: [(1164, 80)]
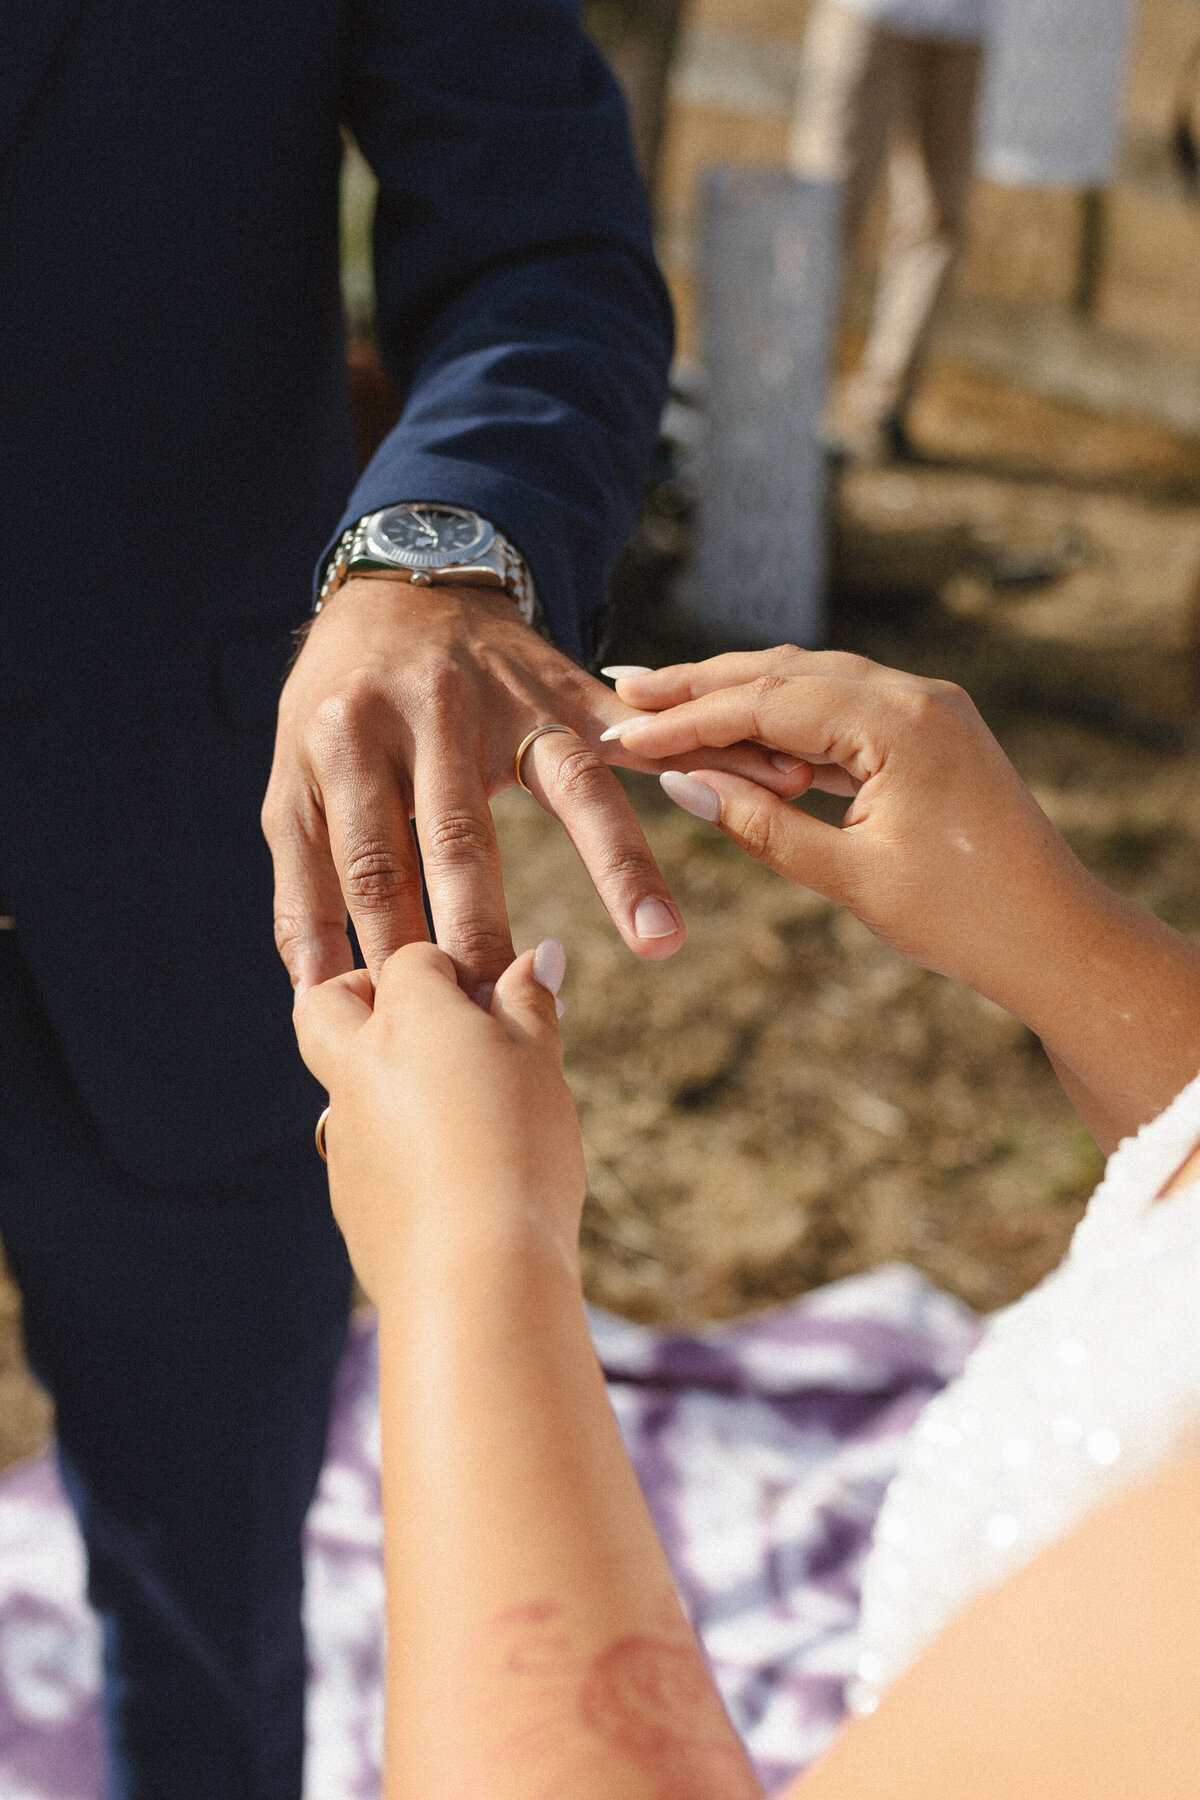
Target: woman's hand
[(943, 853), (451, 1129), (942, 849)]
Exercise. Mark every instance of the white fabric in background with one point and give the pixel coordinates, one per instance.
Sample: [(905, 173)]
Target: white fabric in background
[(1052, 92)]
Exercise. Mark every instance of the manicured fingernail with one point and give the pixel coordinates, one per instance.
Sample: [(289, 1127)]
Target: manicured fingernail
[(616, 731), (483, 995), (787, 765), (618, 671), (550, 963), (559, 1009), (694, 796), (653, 919)]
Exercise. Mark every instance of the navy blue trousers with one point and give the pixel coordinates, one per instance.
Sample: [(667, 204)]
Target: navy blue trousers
[(189, 1339)]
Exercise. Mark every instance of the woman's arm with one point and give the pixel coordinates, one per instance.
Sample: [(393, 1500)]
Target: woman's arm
[(536, 1649), (944, 854), (1078, 1678), (536, 1645)]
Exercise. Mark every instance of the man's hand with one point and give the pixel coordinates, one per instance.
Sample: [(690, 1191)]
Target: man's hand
[(408, 704)]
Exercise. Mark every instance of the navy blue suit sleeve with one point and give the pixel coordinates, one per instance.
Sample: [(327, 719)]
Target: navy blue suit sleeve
[(520, 309)]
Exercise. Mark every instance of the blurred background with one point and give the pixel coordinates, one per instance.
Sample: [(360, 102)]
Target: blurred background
[(786, 1101)]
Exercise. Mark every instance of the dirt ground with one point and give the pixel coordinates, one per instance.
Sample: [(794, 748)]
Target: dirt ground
[(787, 1101)]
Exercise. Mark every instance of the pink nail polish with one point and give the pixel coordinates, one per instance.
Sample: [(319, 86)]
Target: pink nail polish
[(654, 919), (616, 731), (695, 797), (550, 963), (483, 995)]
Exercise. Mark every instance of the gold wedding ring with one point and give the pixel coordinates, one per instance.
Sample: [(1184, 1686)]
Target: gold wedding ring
[(319, 1135), (530, 736)]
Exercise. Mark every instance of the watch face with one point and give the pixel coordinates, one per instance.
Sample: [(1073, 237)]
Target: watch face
[(429, 537)]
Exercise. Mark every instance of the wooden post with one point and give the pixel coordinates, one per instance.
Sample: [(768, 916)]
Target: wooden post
[(1093, 232)]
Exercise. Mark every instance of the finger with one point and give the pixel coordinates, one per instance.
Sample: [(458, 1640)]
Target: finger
[(371, 840), (327, 1017), (568, 778), (779, 836), (415, 970), (461, 857), (659, 688), (819, 721), (310, 913), (653, 689), (782, 773), (525, 995)]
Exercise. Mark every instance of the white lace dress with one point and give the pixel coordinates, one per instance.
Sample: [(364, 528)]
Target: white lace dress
[(1077, 1391)]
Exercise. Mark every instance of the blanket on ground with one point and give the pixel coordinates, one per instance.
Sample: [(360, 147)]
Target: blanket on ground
[(763, 1448)]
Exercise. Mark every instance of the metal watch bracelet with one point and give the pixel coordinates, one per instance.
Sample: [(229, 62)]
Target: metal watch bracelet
[(517, 582)]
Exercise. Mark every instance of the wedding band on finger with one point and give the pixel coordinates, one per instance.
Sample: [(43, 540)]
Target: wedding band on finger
[(319, 1135), (531, 737)]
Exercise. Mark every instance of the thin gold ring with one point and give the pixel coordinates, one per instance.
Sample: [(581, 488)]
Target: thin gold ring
[(319, 1135), (530, 736)]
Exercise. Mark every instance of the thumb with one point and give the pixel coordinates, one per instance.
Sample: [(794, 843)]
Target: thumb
[(526, 994), (327, 1017), (778, 835)]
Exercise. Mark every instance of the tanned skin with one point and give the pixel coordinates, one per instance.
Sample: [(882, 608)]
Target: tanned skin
[(536, 1649)]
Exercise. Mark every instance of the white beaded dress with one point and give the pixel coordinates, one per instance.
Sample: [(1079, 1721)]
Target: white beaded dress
[(1077, 1391)]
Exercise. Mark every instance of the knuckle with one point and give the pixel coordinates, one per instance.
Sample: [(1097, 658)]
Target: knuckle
[(271, 817), (480, 945), (439, 683), (355, 710), (757, 832), (765, 687), (953, 697), (629, 863), (372, 876), (290, 933), (580, 775), (289, 817), (932, 702), (457, 836)]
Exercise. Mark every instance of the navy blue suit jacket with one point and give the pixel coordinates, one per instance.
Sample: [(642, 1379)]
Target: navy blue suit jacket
[(175, 453)]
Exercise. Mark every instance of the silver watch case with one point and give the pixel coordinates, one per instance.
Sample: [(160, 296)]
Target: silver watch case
[(363, 549), (480, 558)]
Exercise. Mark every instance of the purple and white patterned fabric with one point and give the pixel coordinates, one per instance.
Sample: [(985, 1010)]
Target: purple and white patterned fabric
[(764, 1448)]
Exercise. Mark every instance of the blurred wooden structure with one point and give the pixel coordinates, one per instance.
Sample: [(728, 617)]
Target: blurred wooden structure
[(729, 100), (772, 268)]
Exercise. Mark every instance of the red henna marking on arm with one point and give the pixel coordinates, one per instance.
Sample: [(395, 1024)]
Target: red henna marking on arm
[(527, 1636), (653, 1701)]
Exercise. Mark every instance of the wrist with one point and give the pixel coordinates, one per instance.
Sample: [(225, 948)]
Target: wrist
[(1113, 993), (426, 545), (498, 1251), (1028, 956)]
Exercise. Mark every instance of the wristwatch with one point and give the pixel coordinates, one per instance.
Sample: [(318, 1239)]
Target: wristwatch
[(430, 544)]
